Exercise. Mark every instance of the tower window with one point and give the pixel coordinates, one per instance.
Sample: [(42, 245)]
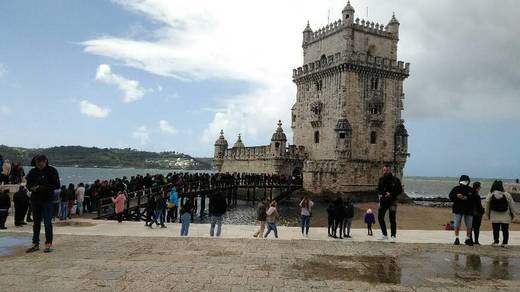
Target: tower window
[(374, 83), (319, 85), (373, 137), (277, 144), (317, 137), (342, 135)]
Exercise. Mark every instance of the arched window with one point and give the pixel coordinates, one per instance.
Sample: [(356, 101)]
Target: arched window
[(317, 137), (373, 137)]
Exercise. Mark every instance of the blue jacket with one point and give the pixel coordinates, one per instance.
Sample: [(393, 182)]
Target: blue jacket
[(174, 197)]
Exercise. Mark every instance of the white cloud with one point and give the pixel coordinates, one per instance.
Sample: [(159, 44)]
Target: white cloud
[(91, 110), (131, 89), (3, 70), (142, 135), (166, 128)]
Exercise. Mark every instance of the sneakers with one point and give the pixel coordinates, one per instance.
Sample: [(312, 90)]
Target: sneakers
[(48, 248), (393, 239), (468, 242), (503, 245), (33, 248), (384, 237), (348, 236), (494, 244), (457, 242)]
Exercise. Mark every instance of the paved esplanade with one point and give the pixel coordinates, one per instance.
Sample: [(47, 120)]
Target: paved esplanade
[(106, 256)]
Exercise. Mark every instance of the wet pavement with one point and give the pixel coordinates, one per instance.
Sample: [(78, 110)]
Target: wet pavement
[(129, 263), (13, 245)]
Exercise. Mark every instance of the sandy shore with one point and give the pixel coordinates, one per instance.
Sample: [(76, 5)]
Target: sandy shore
[(409, 217)]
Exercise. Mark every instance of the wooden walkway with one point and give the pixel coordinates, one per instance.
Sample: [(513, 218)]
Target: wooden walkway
[(251, 192)]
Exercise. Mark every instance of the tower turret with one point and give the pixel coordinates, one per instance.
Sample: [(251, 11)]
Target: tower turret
[(393, 26), (307, 34), (239, 143), (348, 14), (220, 148), (278, 141)]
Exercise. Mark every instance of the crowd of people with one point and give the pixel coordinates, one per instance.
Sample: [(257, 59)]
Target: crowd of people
[(46, 200), (11, 173)]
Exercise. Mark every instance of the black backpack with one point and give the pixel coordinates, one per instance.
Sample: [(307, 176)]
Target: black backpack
[(499, 205)]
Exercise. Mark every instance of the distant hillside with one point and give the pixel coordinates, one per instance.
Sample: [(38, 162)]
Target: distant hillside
[(105, 157)]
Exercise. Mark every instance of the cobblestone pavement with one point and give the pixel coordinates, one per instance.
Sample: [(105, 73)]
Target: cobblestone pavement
[(113, 263)]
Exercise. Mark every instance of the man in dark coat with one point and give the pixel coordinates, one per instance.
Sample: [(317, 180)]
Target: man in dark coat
[(21, 204), (5, 204), (217, 209), (463, 206), (42, 180), (388, 188)]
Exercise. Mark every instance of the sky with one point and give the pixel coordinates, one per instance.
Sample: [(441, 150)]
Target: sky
[(168, 75)]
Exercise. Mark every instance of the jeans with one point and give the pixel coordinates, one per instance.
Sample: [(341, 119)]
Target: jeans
[(185, 226), (79, 208), (369, 227), (56, 209), (158, 215), (306, 222), (381, 217), (457, 218), (42, 211), (347, 226), (496, 232), (271, 226), (215, 219), (63, 210)]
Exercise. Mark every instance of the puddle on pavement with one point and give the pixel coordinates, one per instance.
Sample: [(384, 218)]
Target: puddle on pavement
[(426, 269), (13, 245), (73, 224)]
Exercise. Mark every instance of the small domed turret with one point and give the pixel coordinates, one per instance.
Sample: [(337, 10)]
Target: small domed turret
[(221, 141), (348, 14), (279, 135), (393, 26), (307, 34), (238, 143)]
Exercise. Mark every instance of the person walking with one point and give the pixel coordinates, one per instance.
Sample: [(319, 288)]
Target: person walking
[(21, 204), (349, 217), (80, 198), (5, 204), (389, 187), (42, 180), (478, 212), (463, 205), (150, 211), (261, 217), (305, 213), (500, 210), (160, 206), (272, 215), (217, 209), (369, 220), (119, 205), (186, 210)]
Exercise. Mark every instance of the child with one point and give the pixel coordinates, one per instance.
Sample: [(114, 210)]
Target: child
[(369, 220)]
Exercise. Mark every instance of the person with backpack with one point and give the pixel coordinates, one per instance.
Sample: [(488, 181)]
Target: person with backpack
[(500, 210), (463, 204), (217, 209), (261, 217)]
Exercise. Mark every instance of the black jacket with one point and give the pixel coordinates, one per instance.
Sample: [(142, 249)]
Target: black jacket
[(349, 211), (5, 201), (217, 205), (20, 199), (47, 180), (391, 184), (467, 204)]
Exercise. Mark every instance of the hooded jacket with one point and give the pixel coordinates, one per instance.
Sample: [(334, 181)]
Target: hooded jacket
[(46, 180), (500, 217), (465, 205)]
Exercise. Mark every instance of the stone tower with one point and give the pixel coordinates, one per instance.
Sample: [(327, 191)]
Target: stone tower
[(349, 101)]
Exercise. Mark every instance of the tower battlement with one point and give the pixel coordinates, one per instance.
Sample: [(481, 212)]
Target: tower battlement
[(356, 58)]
